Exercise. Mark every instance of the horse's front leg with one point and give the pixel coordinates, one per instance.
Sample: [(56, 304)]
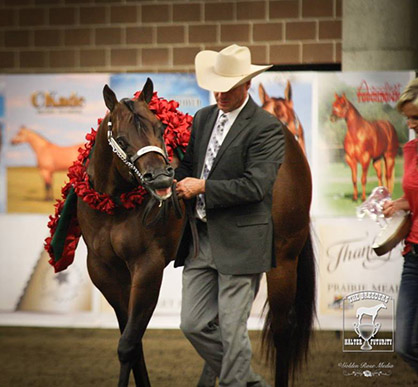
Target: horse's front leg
[(377, 164), (390, 172), (364, 167), (352, 163), (146, 272), (47, 177)]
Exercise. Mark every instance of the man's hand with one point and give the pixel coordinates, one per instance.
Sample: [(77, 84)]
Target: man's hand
[(190, 187)]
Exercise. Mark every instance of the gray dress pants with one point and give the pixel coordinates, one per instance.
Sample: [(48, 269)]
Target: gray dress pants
[(214, 314)]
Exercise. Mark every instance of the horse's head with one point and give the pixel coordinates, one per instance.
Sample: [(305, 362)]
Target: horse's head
[(339, 107), (20, 137), (136, 136), (282, 108)]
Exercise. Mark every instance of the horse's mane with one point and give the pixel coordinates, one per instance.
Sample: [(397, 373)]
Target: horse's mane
[(36, 133)]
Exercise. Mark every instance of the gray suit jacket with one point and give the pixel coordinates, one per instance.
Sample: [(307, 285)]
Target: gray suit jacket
[(238, 188)]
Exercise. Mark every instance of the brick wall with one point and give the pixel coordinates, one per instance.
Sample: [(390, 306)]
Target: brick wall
[(156, 36)]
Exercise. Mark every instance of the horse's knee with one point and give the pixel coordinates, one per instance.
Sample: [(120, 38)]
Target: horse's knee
[(128, 350)]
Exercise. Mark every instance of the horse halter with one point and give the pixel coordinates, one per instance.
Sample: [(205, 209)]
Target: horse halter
[(130, 161), (296, 122)]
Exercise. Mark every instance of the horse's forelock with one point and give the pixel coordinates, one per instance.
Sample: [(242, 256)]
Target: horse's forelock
[(129, 104), (139, 112)]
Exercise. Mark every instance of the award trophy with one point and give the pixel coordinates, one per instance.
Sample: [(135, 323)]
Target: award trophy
[(366, 331), (393, 229), (373, 206)]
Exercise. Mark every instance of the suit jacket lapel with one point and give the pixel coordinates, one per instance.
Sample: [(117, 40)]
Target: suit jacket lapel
[(240, 122), (204, 141)]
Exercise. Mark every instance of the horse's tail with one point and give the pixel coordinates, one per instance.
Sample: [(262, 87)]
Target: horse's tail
[(293, 343)]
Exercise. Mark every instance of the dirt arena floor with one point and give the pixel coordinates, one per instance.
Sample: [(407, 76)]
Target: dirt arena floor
[(87, 357)]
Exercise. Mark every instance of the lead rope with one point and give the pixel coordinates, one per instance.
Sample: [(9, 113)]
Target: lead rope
[(176, 203), (163, 209)]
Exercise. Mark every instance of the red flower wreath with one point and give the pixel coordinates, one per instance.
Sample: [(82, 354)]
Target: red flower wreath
[(176, 137)]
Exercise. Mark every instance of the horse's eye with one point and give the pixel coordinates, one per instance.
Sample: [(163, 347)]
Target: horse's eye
[(122, 142)]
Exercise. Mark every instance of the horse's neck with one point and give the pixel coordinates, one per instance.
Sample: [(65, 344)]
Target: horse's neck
[(352, 114), (353, 117), (36, 141)]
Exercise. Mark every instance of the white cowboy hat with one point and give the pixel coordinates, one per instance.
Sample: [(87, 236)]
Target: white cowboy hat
[(222, 71)]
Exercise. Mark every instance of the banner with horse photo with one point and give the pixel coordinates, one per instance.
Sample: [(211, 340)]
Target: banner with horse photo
[(360, 139), (288, 96), (47, 118)]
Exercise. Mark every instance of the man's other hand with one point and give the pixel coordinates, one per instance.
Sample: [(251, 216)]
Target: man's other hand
[(190, 187)]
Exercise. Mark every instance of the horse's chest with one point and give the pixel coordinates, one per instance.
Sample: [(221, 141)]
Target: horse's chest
[(358, 143), (109, 237), (127, 239)]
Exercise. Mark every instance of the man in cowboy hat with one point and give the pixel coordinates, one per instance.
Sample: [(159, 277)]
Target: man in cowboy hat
[(227, 178)]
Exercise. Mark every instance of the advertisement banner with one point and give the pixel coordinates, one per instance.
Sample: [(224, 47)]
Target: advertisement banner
[(47, 118), (333, 116), (360, 138), (348, 264)]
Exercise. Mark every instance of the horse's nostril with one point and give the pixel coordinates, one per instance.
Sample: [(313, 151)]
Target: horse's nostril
[(170, 171)]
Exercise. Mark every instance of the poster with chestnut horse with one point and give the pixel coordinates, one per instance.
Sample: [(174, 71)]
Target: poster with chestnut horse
[(360, 138), (46, 117)]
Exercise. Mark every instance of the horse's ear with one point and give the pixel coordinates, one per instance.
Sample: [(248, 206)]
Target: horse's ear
[(147, 91), (262, 94), (288, 91), (109, 97)]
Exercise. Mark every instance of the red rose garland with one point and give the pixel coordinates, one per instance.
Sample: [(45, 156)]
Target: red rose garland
[(176, 136)]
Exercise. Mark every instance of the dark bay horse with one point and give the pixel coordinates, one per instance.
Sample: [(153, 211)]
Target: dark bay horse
[(283, 109), (126, 259), (365, 142)]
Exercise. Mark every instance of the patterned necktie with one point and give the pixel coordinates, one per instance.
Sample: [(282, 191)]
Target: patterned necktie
[(215, 143)]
